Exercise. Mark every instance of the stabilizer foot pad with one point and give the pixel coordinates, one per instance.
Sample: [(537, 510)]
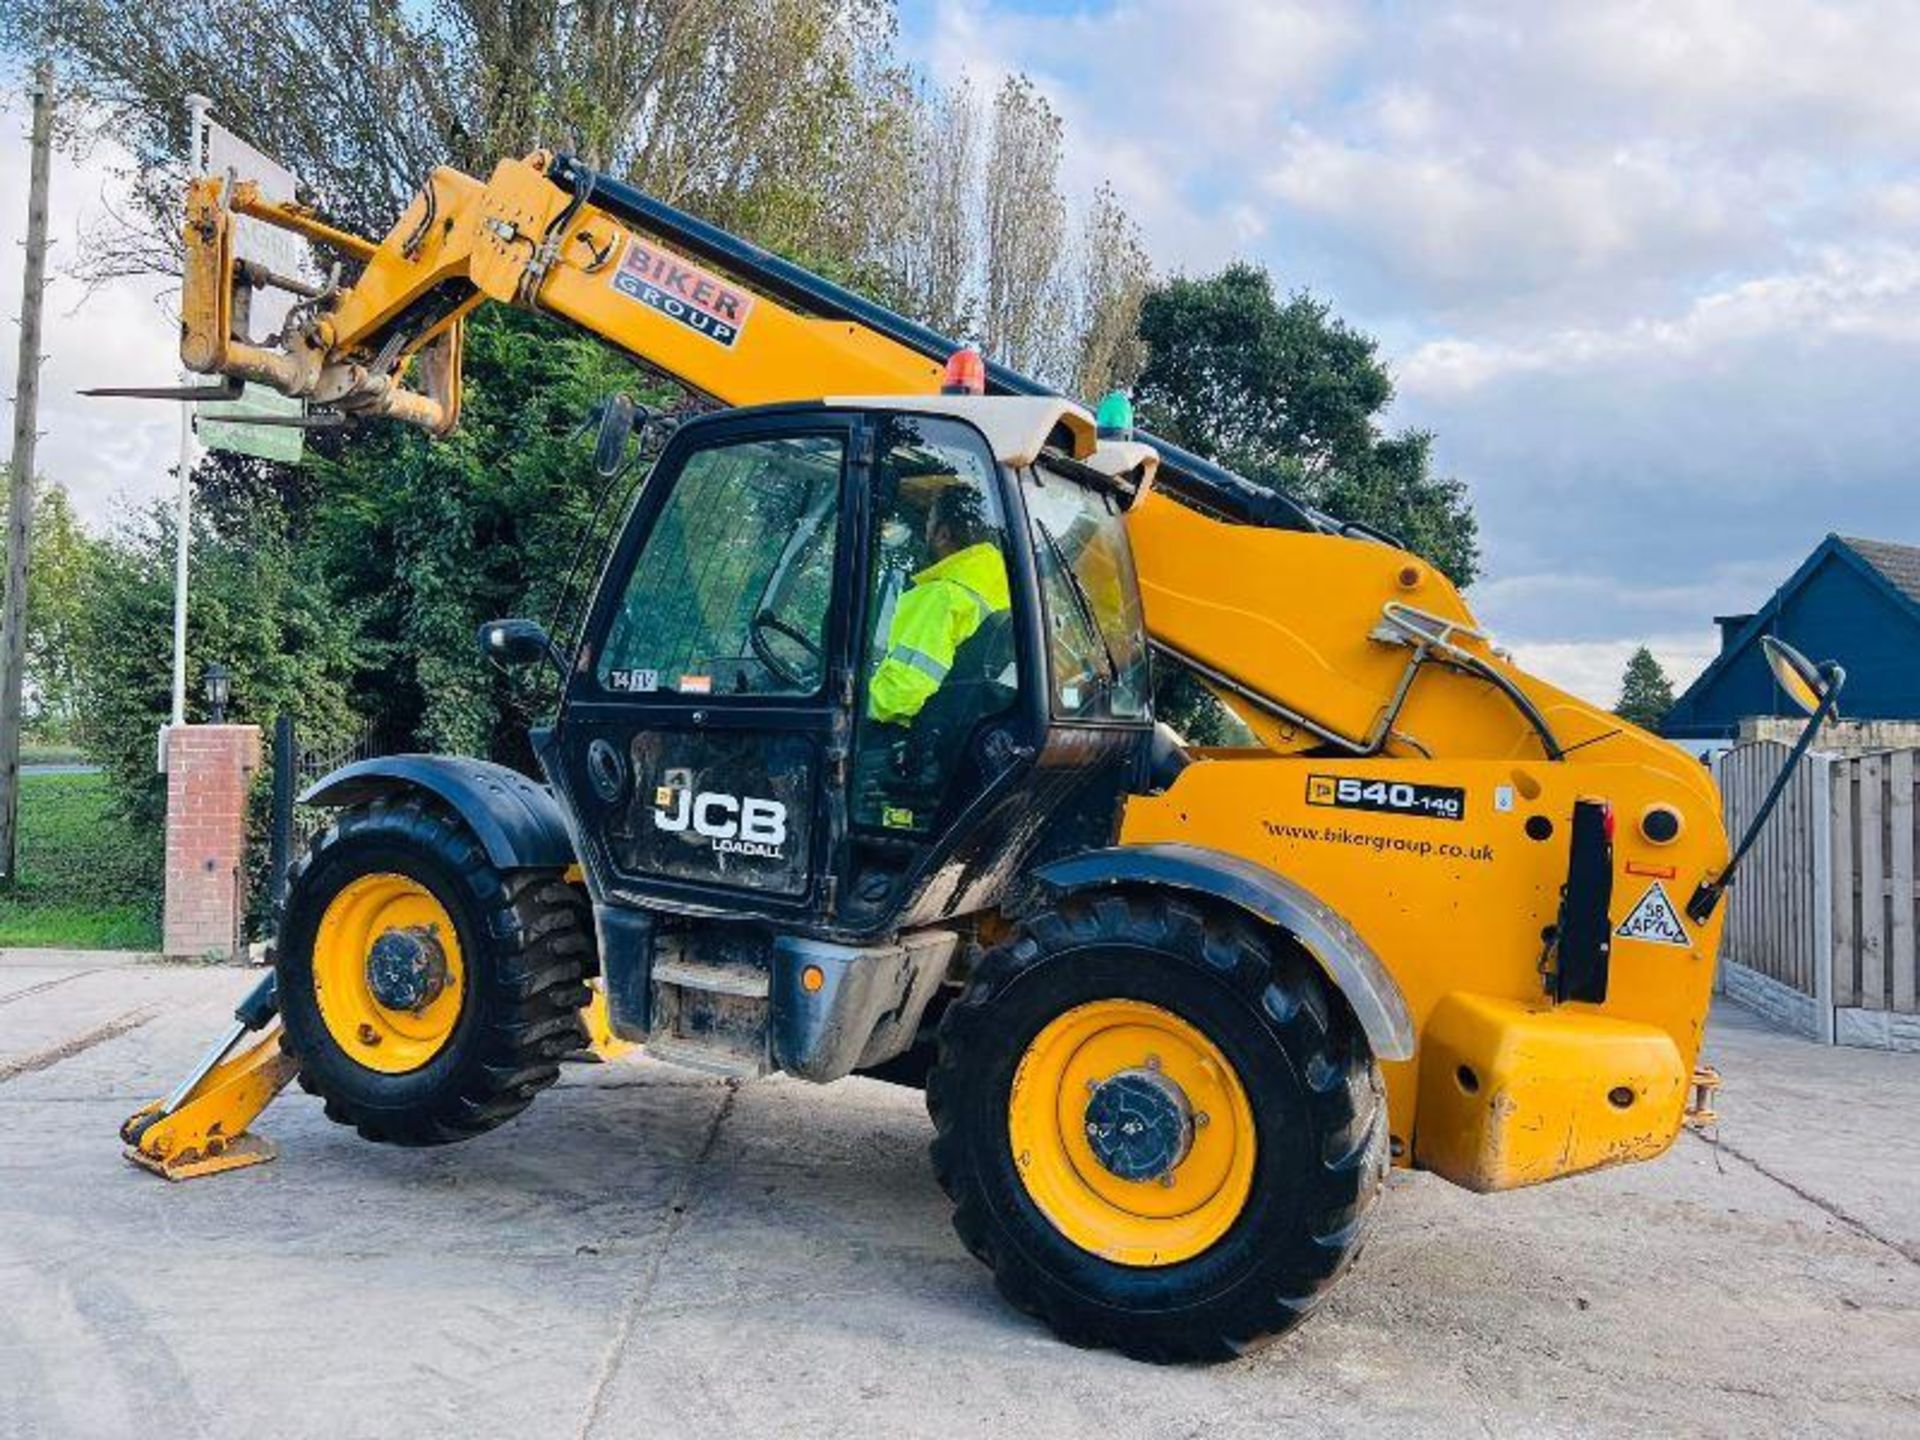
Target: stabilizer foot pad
[(237, 1154)]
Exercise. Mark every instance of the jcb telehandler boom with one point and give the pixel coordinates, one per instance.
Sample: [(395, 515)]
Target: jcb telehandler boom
[(854, 769)]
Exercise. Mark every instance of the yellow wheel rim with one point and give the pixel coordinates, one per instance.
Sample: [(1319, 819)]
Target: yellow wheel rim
[(1063, 1092), (378, 1033)]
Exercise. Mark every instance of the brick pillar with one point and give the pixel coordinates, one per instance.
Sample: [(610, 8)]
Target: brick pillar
[(208, 767)]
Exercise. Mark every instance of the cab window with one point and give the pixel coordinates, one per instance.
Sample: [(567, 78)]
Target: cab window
[(940, 661), (1096, 635), (730, 593)]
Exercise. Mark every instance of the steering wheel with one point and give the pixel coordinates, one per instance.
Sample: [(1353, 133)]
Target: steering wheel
[(782, 671)]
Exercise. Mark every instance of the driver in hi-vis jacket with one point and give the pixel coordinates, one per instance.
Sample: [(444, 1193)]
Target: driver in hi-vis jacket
[(947, 601)]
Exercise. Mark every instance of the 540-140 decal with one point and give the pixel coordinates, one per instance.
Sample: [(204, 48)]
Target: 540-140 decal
[(1394, 797)]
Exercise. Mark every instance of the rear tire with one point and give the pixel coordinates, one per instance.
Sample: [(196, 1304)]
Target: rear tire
[(1315, 1104), (525, 950)]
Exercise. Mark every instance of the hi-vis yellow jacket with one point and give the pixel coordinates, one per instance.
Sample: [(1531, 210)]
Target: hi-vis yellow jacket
[(946, 603)]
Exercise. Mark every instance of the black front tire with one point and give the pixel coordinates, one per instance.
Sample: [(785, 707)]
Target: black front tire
[(1319, 1116), (526, 941)]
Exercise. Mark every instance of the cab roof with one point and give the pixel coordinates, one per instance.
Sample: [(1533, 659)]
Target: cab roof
[(1018, 427)]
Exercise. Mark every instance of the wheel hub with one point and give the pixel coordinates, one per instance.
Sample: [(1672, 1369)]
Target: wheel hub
[(407, 968), (1131, 1132), (1139, 1124)]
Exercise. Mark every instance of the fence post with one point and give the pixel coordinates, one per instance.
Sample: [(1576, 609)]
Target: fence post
[(1820, 824), (1717, 767), (280, 846)]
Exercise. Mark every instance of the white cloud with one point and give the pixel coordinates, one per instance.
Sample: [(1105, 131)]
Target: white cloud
[(1868, 292), (108, 453), (1470, 230), (1165, 100), (1795, 72), (1488, 155)]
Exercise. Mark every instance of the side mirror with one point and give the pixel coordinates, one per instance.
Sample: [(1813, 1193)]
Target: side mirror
[(1808, 685), (519, 642), (1815, 689), (617, 415)]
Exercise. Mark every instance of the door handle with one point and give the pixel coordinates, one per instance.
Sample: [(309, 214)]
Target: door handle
[(606, 771)]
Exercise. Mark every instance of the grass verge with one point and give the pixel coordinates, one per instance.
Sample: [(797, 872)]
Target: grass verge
[(87, 881)]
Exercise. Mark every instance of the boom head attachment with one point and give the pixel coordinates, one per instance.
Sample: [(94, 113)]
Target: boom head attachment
[(407, 368), (386, 341)]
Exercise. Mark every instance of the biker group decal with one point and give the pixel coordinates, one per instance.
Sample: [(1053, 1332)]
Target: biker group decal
[(682, 291)]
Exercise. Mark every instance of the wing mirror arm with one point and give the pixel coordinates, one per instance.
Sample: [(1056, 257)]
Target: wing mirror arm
[(613, 420), (1816, 689), (520, 642)]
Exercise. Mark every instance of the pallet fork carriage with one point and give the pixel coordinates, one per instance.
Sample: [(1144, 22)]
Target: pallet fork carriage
[(854, 770)]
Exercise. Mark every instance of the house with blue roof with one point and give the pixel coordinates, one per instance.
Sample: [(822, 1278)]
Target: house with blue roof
[(1855, 601)]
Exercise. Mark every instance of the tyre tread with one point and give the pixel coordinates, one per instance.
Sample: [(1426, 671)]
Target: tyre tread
[(1343, 1088), (542, 952)]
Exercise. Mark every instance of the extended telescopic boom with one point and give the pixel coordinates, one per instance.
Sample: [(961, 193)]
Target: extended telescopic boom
[(1198, 480)]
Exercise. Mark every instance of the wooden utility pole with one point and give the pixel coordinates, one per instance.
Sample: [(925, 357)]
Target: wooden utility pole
[(26, 417)]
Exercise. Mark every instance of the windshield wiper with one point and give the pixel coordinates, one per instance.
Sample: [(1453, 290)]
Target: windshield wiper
[(1082, 601)]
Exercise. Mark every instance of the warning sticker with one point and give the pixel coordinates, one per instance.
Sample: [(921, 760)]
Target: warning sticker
[(1654, 920), (682, 291)]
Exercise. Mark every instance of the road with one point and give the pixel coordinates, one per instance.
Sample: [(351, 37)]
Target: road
[(650, 1252)]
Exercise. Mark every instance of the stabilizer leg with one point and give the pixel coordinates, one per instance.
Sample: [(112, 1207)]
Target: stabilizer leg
[(201, 1128), (602, 1043)]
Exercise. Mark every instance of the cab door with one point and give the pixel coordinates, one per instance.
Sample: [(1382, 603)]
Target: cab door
[(704, 732)]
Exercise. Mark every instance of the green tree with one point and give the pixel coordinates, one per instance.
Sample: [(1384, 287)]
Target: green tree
[(421, 541), (63, 558), (258, 606), (776, 117), (1645, 692), (1290, 396)]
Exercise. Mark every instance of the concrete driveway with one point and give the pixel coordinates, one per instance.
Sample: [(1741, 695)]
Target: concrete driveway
[(647, 1252)]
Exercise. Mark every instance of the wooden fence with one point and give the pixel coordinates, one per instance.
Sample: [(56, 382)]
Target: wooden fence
[(1873, 892), (1822, 923)]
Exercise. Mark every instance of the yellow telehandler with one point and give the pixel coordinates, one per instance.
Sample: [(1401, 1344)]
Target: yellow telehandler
[(854, 771)]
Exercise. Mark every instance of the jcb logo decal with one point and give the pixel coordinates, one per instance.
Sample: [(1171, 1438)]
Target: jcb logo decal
[(736, 824), (1392, 797)]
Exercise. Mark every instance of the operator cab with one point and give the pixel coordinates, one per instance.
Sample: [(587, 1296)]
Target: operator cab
[(856, 666)]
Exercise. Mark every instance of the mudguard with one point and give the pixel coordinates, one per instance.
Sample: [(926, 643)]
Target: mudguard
[(1349, 962), (516, 819)]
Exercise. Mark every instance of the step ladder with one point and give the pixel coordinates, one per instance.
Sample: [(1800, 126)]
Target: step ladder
[(711, 1016)]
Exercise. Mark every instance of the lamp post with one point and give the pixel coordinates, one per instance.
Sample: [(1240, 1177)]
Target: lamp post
[(219, 682)]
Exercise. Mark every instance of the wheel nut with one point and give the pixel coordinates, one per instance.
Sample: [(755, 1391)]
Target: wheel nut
[(1200, 1119), (1153, 1062), (1166, 1181), (369, 1035)]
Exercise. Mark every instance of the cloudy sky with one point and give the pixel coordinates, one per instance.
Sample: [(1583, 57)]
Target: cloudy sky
[(1650, 272), (106, 452)]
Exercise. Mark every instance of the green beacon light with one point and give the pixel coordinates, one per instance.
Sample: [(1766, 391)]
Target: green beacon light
[(1114, 419)]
